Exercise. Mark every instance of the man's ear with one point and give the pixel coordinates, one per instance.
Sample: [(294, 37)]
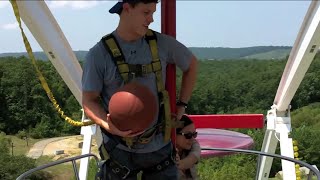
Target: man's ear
[(126, 7)]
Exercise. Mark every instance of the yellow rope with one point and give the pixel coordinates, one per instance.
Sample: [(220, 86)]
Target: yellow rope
[(296, 156), (40, 76)]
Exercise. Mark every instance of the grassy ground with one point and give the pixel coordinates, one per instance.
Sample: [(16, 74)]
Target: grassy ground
[(59, 172), (64, 171), (20, 146)]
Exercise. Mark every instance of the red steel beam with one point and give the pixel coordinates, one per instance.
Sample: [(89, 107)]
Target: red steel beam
[(168, 26), (228, 121)]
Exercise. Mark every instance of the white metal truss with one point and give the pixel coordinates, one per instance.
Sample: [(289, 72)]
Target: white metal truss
[(278, 118), (38, 18)]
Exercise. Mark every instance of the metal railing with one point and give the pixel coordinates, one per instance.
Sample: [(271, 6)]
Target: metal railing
[(313, 169), (73, 159)]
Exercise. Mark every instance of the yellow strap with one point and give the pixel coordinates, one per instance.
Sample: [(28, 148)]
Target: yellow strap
[(40, 76), (104, 152), (116, 53), (129, 141), (156, 66), (161, 87), (115, 50), (123, 67), (296, 156), (167, 115)]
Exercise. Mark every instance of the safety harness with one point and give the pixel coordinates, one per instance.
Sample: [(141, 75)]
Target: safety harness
[(124, 172), (129, 72)]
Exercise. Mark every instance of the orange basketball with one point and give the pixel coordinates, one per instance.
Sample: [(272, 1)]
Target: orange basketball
[(133, 107)]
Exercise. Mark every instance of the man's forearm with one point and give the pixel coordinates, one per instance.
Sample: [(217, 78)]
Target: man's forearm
[(189, 161), (94, 111), (188, 81)]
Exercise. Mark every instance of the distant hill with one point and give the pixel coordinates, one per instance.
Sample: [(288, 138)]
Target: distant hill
[(211, 53), (42, 56), (38, 55), (257, 52), (274, 54)]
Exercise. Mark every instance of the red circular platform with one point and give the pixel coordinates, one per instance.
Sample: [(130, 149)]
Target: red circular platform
[(219, 138)]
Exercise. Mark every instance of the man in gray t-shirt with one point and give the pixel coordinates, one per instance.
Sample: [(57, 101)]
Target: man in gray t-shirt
[(101, 78)]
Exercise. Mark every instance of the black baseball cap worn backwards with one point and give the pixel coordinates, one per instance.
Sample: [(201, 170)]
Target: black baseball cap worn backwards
[(118, 7)]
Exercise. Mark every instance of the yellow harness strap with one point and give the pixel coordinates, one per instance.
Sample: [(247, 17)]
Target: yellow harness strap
[(163, 93), (119, 60), (126, 70)]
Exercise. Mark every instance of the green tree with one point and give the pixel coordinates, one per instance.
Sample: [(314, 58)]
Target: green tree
[(4, 143), (4, 106)]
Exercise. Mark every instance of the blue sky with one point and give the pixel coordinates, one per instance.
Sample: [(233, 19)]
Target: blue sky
[(199, 23)]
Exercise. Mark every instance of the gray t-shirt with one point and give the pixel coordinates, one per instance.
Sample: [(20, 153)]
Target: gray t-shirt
[(100, 72)]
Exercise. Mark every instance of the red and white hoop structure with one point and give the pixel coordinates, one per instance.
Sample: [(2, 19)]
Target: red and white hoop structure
[(168, 26)]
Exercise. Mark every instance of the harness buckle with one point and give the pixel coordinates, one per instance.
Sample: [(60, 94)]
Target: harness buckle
[(132, 76), (127, 173), (145, 137), (161, 166), (140, 70), (143, 70), (122, 171)]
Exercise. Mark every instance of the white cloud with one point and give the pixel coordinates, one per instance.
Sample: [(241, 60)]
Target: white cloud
[(73, 4), (4, 4), (10, 26)]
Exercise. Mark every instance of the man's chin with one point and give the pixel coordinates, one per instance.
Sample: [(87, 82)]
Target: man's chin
[(141, 34), (144, 31)]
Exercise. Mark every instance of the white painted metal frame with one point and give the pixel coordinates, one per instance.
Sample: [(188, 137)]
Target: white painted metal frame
[(278, 118), (38, 18)]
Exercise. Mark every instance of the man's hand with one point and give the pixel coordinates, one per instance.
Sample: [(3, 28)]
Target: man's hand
[(180, 162), (187, 162), (180, 111), (111, 128), (183, 164)]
